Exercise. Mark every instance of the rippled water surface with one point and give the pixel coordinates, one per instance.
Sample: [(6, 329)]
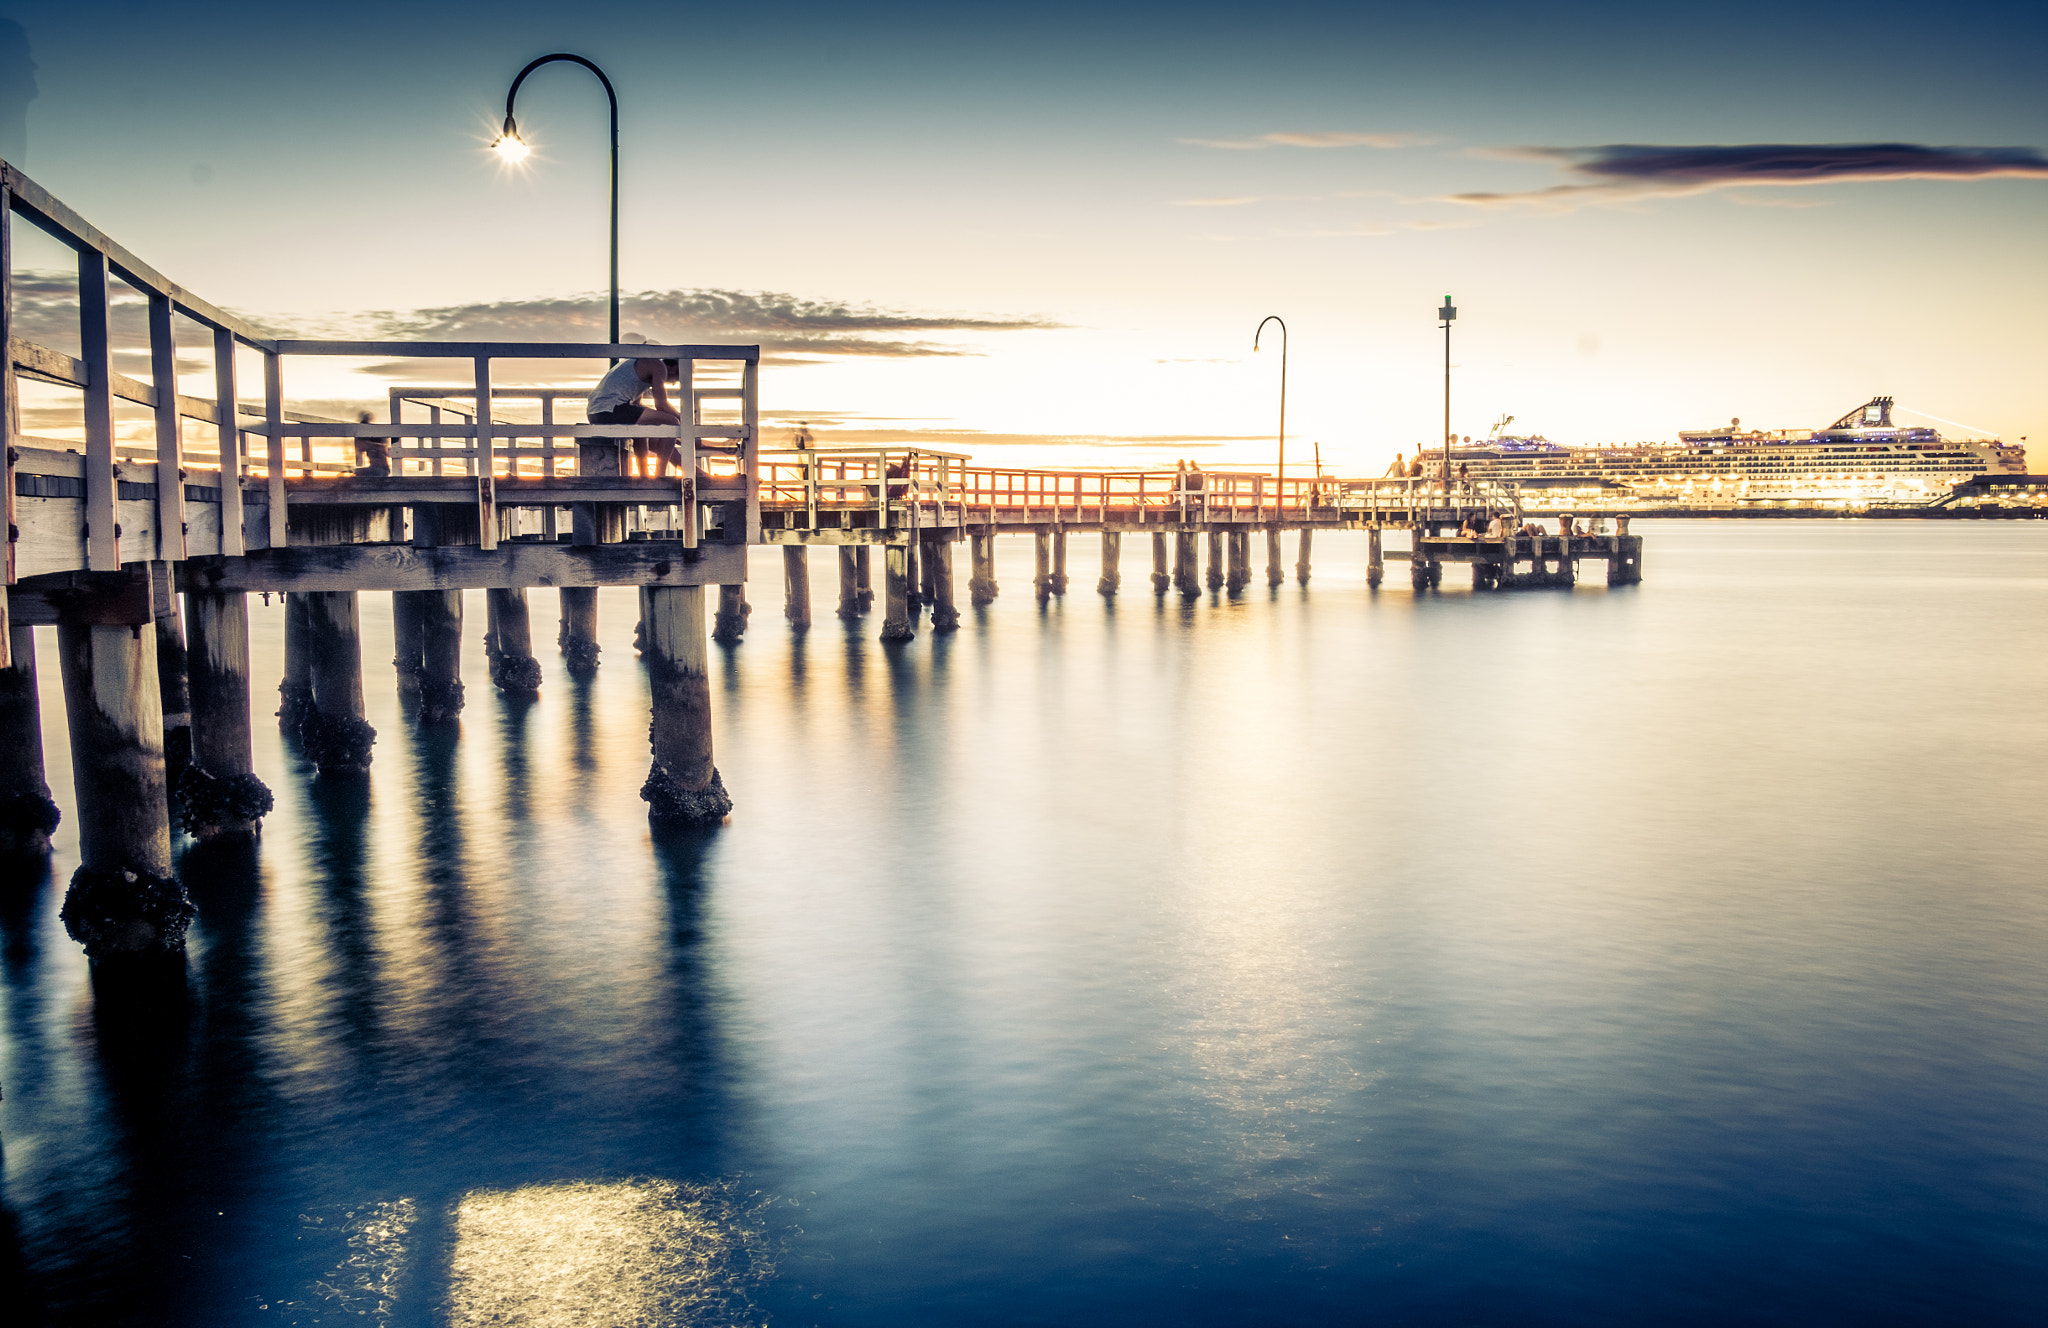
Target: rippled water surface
[(1670, 954)]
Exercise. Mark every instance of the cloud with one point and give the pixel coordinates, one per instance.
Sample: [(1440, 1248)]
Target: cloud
[(788, 327), (1324, 139), (1217, 202), (1623, 172)]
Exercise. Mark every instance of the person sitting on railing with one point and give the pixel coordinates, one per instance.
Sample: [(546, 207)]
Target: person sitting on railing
[(1498, 527), (373, 455), (1415, 467), (1399, 470), (616, 400)]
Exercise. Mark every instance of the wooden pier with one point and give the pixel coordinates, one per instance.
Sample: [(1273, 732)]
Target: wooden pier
[(140, 549)]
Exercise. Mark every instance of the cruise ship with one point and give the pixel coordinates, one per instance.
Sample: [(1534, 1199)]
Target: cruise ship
[(1861, 460)]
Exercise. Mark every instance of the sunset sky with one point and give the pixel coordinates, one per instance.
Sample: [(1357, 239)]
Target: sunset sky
[(1047, 234)]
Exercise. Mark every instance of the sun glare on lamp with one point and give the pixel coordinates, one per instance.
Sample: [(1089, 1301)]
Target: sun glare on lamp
[(510, 147)]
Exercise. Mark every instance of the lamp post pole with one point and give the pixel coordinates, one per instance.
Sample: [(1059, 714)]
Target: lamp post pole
[(512, 147), (1280, 487), (1449, 315)]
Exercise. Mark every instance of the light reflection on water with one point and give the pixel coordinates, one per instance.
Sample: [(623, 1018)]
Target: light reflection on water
[(1666, 954)]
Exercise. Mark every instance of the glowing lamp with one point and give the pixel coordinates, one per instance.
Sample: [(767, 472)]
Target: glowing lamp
[(510, 147)]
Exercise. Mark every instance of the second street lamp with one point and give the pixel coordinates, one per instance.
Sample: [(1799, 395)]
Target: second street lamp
[(512, 148), (1448, 314), (1280, 479)]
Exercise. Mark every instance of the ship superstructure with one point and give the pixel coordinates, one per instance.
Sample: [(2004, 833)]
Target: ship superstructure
[(1861, 460)]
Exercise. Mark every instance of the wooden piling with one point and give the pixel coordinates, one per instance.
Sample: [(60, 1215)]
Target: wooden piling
[(122, 905), (796, 586), (1041, 577), (578, 633), (938, 556), (219, 793), (440, 655), (732, 614), (1187, 578), (1301, 553), (407, 644), (173, 692), (1274, 576), (1237, 550), (849, 583), (896, 621), (914, 575), (335, 735), (1059, 562), (295, 692), (28, 814), (1112, 563), (981, 585), (1375, 563), (1161, 581), (683, 787), (863, 578), (1216, 577), (927, 576), (508, 641)]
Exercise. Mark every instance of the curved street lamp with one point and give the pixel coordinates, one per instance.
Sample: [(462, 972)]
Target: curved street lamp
[(512, 148), (1447, 316), (1280, 495)]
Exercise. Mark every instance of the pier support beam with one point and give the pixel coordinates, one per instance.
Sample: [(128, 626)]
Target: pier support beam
[(1216, 577), (849, 583), (981, 584), (1059, 562), (683, 787), (440, 613), (732, 614), (938, 556), (914, 574), (861, 565), (408, 648), (295, 693), (27, 811), (897, 624), (578, 633), (1274, 574), (1238, 554), (1375, 564), (1161, 580), (1041, 578), (1301, 553), (1187, 577), (335, 736), (796, 586), (219, 793), (122, 905), (173, 691), (1112, 563), (508, 641)]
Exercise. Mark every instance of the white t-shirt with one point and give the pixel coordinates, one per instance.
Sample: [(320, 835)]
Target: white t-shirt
[(621, 387)]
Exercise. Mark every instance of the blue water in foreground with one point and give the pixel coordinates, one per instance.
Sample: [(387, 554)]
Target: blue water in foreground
[(1670, 954)]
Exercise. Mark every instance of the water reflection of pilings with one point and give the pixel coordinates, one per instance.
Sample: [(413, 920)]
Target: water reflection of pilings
[(514, 709), (339, 810)]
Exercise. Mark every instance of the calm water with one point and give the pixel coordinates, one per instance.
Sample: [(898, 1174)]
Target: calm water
[(1664, 955)]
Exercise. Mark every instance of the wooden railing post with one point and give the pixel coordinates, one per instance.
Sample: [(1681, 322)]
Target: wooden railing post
[(482, 458), (750, 444), (228, 430), (273, 416), (9, 400), (170, 432), (103, 532)]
